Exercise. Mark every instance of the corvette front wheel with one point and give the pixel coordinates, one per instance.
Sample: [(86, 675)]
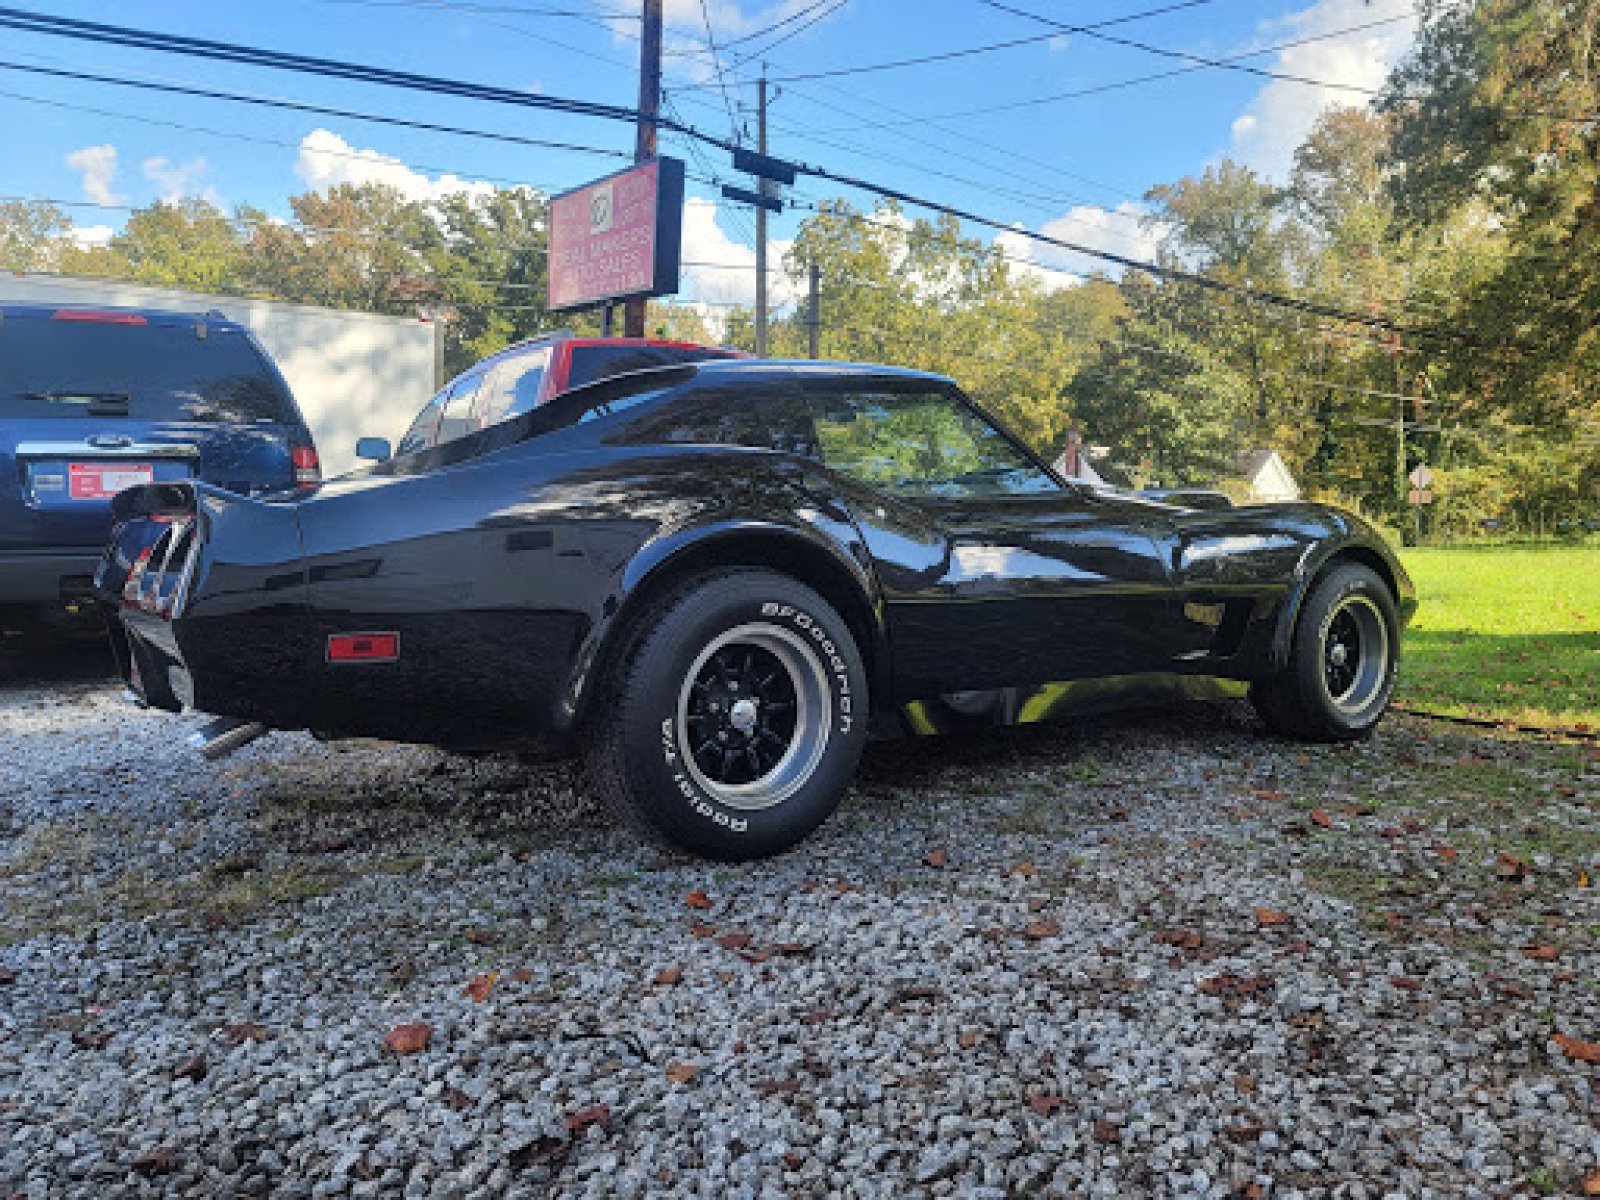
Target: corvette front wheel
[(1342, 658), (731, 725)]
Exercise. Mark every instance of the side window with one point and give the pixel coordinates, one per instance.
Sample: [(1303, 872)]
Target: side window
[(511, 389), (425, 429), (921, 444), (456, 420), (710, 415)]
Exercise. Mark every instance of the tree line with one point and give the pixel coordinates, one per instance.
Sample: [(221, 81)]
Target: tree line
[(1460, 215)]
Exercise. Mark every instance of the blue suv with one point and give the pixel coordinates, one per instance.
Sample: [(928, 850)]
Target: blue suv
[(94, 400)]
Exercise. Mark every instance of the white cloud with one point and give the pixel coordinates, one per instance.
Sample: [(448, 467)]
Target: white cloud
[(1277, 120), (1121, 230), (87, 237), (733, 279), (176, 180), (98, 166), (327, 160)]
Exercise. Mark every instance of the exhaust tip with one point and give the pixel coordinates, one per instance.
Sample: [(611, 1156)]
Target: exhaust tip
[(221, 736)]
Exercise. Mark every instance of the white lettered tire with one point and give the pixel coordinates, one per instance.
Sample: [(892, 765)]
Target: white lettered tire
[(732, 721)]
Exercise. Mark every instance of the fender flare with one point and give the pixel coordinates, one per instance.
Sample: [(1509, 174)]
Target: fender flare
[(785, 546), (1364, 549)]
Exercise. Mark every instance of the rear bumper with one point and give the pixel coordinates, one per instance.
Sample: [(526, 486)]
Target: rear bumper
[(46, 577)]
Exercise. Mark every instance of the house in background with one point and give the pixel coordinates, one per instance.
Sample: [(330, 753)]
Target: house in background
[(1073, 462), (1266, 477)]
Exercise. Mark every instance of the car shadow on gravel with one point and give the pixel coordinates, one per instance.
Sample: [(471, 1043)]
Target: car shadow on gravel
[(43, 657)]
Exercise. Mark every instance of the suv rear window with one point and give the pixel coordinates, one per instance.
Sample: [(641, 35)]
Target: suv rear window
[(590, 363), (162, 372)]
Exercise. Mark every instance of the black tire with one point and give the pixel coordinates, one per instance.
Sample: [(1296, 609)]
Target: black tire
[(731, 722), (1342, 657)]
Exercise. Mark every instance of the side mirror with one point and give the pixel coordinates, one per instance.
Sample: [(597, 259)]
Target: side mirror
[(374, 448)]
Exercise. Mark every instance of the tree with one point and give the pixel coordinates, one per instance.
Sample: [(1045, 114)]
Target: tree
[(31, 234), (188, 243)]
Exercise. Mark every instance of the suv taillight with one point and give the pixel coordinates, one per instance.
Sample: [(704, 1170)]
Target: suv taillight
[(307, 467)]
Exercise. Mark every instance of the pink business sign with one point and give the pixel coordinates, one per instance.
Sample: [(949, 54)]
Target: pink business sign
[(617, 237)]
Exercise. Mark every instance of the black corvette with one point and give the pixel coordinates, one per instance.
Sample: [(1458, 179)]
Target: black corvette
[(713, 579)]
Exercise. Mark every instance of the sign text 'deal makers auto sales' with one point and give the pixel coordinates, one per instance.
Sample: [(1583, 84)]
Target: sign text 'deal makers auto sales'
[(618, 237)]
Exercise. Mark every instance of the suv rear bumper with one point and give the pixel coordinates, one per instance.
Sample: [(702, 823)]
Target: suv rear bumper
[(47, 577)]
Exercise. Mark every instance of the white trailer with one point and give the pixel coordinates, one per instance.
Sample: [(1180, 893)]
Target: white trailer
[(353, 374)]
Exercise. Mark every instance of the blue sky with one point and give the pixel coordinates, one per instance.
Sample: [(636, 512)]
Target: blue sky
[(1074, 166)]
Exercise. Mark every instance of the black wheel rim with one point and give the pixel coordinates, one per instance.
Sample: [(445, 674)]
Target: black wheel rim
[(742, 710), (1355, 655), (754, 715)]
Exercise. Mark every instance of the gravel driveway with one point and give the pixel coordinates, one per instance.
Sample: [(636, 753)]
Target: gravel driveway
[(1138, 957)]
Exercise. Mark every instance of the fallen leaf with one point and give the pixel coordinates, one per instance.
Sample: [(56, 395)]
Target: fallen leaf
[(193, 1069), (1106, 1132), (702, 930), (915, 991), (245, 1031), (1184, 939), (1026, 869), (160, 1161), (478, 986), (1271, 916), (793, 949), (522, 975), (792, 1160), (734, 941), (669, 976), (408, 1039), (1249, 1191), (1406, 983), (935, 858), (682, 1072), (331, 843), (90, 1039), (7, 977), (457, 1100), (404, 972), (1040, 930), (544, 1150), (1588, 1052), (1270, 797), (1319, 816), (774, 1087), (1446, 853), (1242, 1133), (967, 1039), (1542, 953), (585, 1119), (482, 937), (1045, 1105), (1244, 1084), (697, 899), (1508, 867), (1591, 1183)]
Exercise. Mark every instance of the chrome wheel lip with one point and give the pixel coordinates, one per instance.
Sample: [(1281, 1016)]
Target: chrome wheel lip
[(813, 720), (1367, 658)]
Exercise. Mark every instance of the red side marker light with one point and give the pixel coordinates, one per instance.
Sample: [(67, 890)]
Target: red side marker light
[(363, 647)]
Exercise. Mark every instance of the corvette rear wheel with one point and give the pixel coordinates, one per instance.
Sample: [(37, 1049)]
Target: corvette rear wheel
[(1342, 660), (732, 722)]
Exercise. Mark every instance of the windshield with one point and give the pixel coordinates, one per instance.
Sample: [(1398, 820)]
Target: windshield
[(67, 369)]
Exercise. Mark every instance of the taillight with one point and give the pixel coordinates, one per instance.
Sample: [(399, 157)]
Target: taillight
[(307, 467)]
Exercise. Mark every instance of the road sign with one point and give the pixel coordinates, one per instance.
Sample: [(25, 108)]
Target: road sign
[(1419, 496), (1421, 478), (746, 196), (763, 165)]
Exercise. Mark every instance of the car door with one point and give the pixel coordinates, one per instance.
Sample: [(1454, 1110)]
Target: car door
[(995, 573)]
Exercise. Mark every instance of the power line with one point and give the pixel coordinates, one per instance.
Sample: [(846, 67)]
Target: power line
[(970, 51), (249, 55), (1136, 80), (301, 106), (759, 51)]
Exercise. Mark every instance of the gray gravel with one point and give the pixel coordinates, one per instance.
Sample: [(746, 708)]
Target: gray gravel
[(1151, 956)]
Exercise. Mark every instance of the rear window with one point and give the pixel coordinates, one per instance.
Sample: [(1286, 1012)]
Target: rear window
[(590, 363), (163, 372)]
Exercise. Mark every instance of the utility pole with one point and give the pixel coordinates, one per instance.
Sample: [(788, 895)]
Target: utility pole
[(814, 311), (761, 223), (644, 146)]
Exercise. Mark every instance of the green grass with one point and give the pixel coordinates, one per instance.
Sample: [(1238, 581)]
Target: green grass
[(1506, 632)]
